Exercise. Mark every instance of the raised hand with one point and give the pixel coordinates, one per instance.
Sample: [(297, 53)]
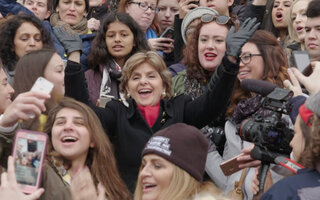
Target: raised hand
[(70, 40), (235, 40)]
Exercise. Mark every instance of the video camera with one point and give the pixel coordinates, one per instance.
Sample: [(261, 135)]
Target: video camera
[(270, 134)]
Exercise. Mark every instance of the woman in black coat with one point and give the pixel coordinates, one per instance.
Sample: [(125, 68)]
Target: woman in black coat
[(150, 106)]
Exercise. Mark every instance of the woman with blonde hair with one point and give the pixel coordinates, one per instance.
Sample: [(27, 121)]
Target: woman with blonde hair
[(170, 169)]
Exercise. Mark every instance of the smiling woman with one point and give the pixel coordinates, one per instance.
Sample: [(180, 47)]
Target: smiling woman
[(77, 140), (170, 169), (146, 84)]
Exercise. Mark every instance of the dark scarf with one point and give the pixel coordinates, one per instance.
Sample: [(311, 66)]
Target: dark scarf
[(81, 28)]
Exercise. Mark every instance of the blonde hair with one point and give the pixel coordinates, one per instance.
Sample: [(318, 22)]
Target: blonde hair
[(292, 33), (182, 186), (155, 61)]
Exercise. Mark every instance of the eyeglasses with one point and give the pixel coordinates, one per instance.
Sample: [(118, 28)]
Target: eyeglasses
[(246, 58), (144, 6), (220, 19)]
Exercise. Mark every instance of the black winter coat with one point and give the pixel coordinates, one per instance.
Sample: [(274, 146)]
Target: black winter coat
[(129, 132)]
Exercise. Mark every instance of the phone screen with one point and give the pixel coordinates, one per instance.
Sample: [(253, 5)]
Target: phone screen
[(301, 59), (28, 160)]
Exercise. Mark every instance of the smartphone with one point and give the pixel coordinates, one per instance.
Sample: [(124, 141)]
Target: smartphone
[(230, 166), (29, 153), (168, 33), (42, 85), (301, 59)]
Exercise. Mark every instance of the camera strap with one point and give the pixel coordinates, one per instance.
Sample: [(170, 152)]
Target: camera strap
[(288, 164)]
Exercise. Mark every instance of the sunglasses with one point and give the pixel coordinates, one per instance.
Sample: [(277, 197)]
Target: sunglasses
[(220, 19)]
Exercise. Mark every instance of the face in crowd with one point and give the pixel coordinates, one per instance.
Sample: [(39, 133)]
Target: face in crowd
[(119, 41), (299, 18), (280, 11), (71, 11), (70, 135), (142, 11), (27, 38), (212, 45), (145, 85), (251, 63), (6, 91), (312, 38), (54, 72), (167, 10), (38, 7), (155, 176)]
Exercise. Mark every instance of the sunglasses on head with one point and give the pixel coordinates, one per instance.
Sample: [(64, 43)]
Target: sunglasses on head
[(220, 19)]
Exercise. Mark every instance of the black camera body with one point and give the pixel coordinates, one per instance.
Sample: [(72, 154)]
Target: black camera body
[(270, 134)]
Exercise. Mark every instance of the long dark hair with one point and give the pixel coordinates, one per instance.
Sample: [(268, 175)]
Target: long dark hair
[(275, 65), (100, 55), (8, 29)]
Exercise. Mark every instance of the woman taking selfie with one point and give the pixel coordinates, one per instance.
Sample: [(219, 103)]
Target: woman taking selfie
[(146, 84), (170, 169), (77, 141), (118, 39)]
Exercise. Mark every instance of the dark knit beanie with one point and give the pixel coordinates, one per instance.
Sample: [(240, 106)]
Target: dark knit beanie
[(182, 145)]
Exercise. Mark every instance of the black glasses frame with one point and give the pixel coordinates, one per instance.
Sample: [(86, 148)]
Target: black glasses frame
[(250, 57), (153, 9)]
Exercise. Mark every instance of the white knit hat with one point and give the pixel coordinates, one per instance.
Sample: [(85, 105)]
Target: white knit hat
[(192, 15)]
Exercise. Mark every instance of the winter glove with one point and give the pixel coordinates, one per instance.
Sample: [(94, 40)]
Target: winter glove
[(235, 40), (70, 41)]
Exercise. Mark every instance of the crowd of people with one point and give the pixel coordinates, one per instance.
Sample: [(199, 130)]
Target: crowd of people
[(150, 97)]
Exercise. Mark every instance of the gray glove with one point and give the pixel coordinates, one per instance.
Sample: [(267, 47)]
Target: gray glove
[(235, 40), (70, 41)]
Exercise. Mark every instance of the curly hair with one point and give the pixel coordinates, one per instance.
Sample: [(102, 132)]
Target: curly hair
[(99, 55), (275, 65), (191, 60), (8, 29)]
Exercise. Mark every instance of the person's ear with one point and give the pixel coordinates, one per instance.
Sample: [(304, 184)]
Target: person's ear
[(91, 145), (230, 2), (48, 14)]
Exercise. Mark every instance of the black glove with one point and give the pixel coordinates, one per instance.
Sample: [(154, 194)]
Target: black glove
[(235, 40), (70, 41)]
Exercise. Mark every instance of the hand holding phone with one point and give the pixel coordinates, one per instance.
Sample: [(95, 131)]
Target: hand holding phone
[(42, 85), (9, 188), (230, 166), (168, 33), (28, 154)]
